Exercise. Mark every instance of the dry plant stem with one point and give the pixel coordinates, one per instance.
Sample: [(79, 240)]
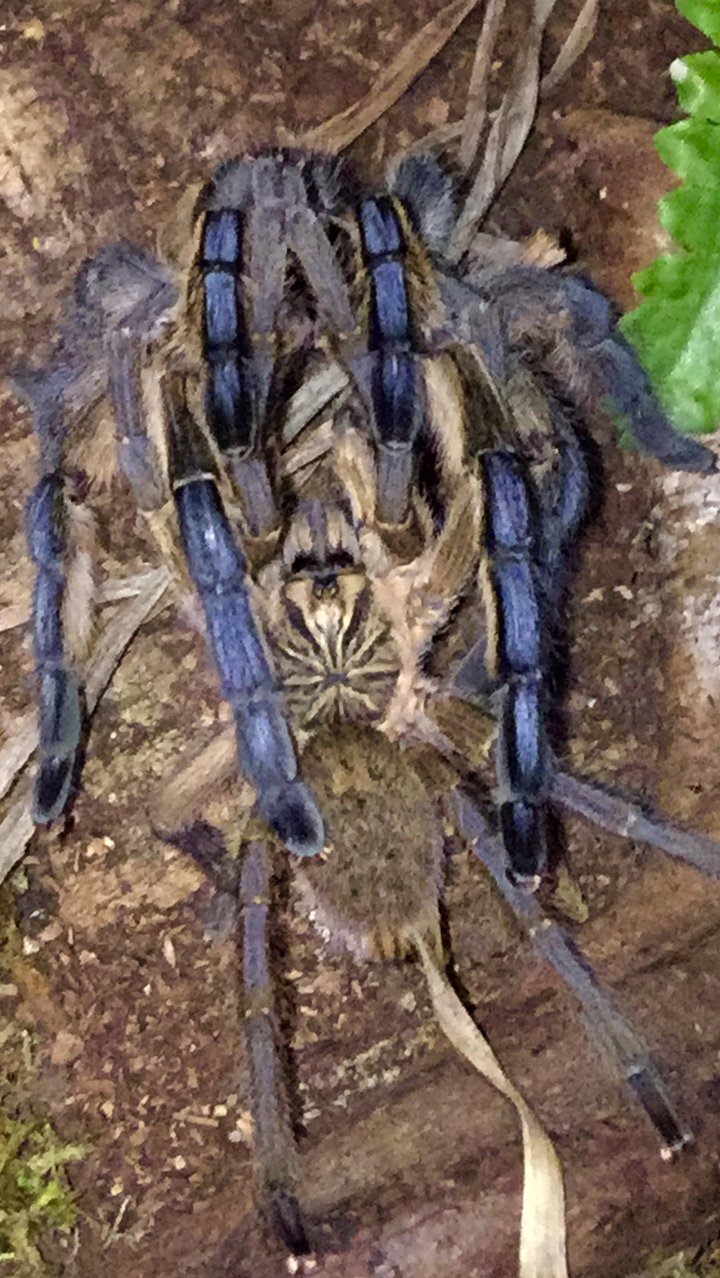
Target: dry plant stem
[(542, 1228), (604, 1020), (181, 800), (16, 752), (15, 614), (575, 45), (337, 133), (476, 109), (17, 827), (507, 135), (111, 591), (446, 135)]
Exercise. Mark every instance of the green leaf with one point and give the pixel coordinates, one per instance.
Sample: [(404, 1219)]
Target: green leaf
[(676, 332), (676, 329), (690, 148), (690, 215), (697, 80), (704, 14)]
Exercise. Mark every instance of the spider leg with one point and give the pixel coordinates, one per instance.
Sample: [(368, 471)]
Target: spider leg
[(273, 1140), (136, 451), (627, 819), (273, 1136), (272, 195), (121, 285), (218, 570), (562, 501), (60, 702), (389, 372), (396, 232), (603, 1018), (571, 327), (589, 799), (428, 193), (508, 662), (308, 239), (613, 365), (236, 236), (514, 653), (564, 497)]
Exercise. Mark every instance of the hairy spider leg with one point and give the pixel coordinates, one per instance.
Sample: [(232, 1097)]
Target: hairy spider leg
[(273, 1139), (563, 498), (595, 801), (561, 506), (560, 491), (135, 296), (121, 285), (632, 821), (514, 658), (391, 370), (258, 211), (563, 492), (569, 327), (238, 377), (59, 689), (218, 570), (427, 192), (136, 451), (293, 193), (120, 289), (603, 1018)]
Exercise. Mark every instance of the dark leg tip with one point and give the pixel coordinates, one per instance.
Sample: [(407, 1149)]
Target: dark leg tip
[(295, 818), (52, 789), (525, 840), (648, 1089), (288, 1222)]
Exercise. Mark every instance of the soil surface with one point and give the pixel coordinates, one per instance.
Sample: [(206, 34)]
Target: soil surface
[(126, 986)]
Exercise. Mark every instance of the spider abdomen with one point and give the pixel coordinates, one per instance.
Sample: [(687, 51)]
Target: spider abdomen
[(381, 880)]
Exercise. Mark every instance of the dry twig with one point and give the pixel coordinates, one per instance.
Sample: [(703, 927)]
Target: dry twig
[(476, 108), (337, 133)]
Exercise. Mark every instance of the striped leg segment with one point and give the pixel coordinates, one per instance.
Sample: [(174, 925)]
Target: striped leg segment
[(395, 380), (273, 1137), (60, 700), (238, 378), (514, 663), (218, 570), (137, 455), (258, 213)]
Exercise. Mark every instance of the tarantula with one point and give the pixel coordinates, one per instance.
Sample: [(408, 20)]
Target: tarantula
[(391, 578)]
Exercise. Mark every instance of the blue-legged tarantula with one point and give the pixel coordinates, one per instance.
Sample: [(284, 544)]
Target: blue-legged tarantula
[(391, 575)]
